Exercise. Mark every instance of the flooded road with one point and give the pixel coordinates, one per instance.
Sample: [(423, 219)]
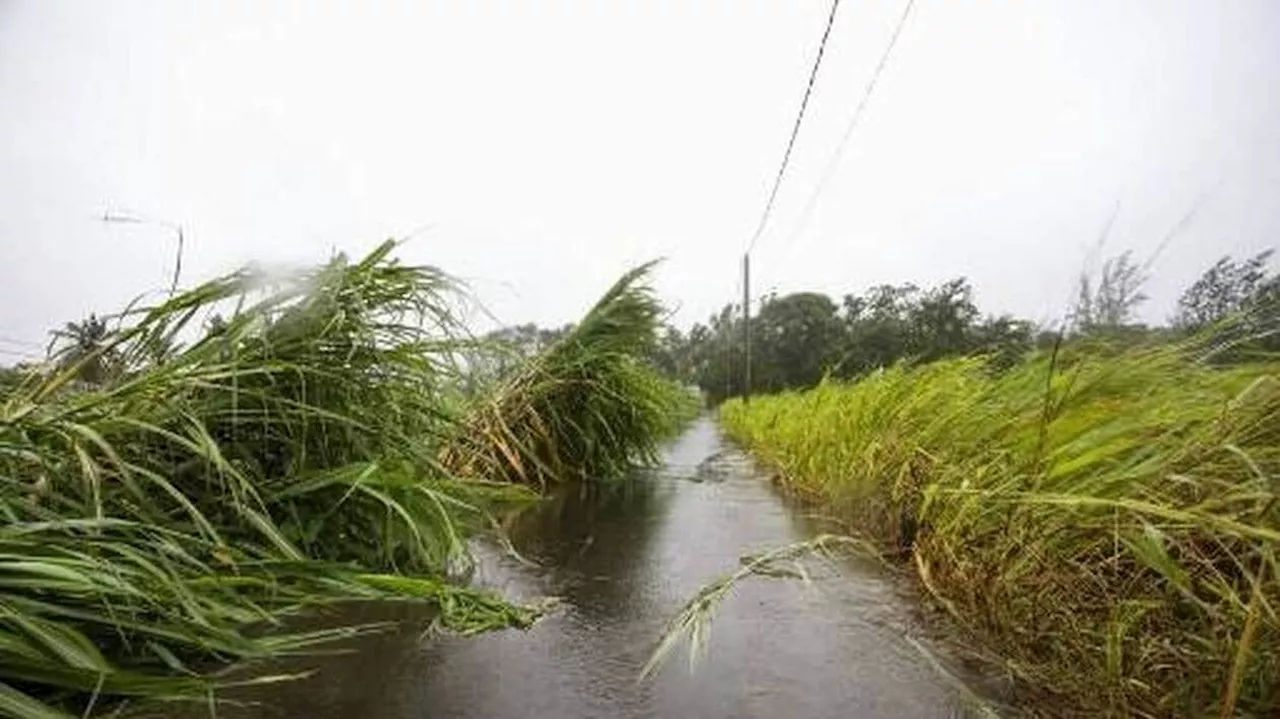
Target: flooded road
[(623, 560)]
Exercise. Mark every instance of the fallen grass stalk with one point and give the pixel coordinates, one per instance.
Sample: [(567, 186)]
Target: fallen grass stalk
[(693, 623)]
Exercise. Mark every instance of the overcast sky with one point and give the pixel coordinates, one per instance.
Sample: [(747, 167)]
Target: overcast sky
[(547, 146)]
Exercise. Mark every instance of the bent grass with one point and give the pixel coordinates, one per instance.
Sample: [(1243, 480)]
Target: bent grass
[(1107, 523), (264, 447)]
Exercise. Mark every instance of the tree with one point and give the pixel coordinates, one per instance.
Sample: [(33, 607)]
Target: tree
[(87, 345), (942, 322), (671, 355), (528, 339), (1111, 305), (795, 340), (1225, 289), (1005, 340), (799, 338), (1240, 301), (878, 328), (716, 354), (12, 377)]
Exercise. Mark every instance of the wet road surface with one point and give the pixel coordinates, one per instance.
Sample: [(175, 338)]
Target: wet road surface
[(623, 559)]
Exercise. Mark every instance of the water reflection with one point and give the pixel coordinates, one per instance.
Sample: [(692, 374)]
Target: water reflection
[(593, 541)]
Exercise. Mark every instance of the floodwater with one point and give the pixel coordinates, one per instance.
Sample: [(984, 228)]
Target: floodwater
[(623, 560)]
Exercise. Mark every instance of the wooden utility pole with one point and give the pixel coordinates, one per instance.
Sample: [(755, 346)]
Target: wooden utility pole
[(746, 328)]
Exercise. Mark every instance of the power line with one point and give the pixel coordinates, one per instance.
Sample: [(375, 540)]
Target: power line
[(764, 218), (24, 354), (124, 218), (830, 170), (20, 343), (795, 130)]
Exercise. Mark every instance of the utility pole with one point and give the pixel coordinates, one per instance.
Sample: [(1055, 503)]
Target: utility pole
[(746, 328)]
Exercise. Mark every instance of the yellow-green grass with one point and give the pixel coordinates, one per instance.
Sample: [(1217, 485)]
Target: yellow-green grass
[(1106, 523)]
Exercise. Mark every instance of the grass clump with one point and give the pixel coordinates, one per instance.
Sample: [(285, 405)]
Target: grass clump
[(587, 408), (256, 447), (1107, 523)]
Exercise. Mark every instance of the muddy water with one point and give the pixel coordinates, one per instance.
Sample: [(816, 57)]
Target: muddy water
[(623, 560)]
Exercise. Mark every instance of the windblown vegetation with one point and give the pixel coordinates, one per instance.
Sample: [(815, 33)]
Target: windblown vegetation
[(800, 338), (587, 407), (1106, 522), (252, 448)]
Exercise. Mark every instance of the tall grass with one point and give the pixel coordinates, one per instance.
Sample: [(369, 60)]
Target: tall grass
[(263, 446), (1107, 523), (587, 408)]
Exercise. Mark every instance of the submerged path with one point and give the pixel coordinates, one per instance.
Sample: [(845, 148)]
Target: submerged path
[(624, 559)]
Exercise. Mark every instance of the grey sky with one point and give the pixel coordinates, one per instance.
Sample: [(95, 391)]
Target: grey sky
[(549, 145)]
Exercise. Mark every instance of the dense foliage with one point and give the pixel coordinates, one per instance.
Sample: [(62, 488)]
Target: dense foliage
[(179, 483), (588, 406), (1239, 303), (797, 339), (1105, 524)]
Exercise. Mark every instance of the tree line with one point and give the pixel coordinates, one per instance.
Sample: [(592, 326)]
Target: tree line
[(800, 338)]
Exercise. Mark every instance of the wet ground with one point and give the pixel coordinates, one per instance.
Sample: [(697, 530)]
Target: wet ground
[(624, 559)]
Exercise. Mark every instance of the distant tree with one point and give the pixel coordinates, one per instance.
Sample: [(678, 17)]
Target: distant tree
[(216, 324), (1005, 340), (500, 352), (88, 345), (11, 377), (671, 355), (1225, 289), (1240, 301), (716, 354), (799, 338), (796, 339), (943, 321), (1112, 304), (878, 328), (1046, 338), (526, 340)]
